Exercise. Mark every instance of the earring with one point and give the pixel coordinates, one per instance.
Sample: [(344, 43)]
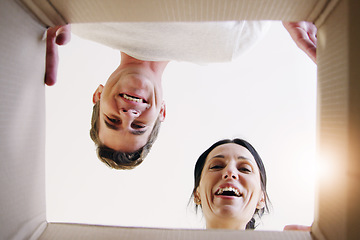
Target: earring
[(197, 201)]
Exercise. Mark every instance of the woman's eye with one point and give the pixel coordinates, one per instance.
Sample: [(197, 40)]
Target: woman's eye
[(244, 169), (216, 167)]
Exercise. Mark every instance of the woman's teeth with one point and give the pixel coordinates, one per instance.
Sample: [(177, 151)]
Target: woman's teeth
[(228, 191)]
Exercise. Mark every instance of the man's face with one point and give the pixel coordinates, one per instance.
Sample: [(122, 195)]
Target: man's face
[(130, 103)]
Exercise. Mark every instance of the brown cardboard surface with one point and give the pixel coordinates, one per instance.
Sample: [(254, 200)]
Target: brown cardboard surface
[(325, 12), (332, 124), (338, 124), (66, 11), (353, 211), (59, 231)]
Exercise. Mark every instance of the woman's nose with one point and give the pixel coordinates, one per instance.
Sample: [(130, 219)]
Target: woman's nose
[(229, 173)]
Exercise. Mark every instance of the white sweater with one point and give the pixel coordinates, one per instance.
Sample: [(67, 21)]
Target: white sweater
[(198, 42)]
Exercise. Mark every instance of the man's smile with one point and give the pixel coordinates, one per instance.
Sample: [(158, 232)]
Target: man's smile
[(132, 98)]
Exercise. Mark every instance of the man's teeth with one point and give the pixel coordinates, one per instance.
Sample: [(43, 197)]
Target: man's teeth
[(134, 99), (228, 189)]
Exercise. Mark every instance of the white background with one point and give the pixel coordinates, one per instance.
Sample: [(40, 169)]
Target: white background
[(267, 96)]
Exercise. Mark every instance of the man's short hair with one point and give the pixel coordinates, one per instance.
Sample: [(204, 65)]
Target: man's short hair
[(117, 159)]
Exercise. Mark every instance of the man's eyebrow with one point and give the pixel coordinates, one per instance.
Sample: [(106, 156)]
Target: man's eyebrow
[(137, 132), (110, 125), (134, 132)]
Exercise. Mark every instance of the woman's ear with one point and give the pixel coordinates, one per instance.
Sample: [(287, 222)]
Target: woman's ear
[(261, 202), (97, 93), (197, 199)]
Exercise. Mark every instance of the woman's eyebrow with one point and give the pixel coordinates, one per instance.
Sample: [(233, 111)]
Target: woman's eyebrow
[(241, 157), (247, 159), (218, 156)]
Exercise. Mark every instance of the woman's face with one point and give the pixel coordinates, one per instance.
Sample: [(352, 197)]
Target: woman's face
[(230, 187)]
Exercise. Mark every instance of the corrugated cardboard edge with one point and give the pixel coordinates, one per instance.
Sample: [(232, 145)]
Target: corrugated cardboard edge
[(56, 231), (23, 230), (318, 235), (320, 18), (39, 231), (61, 12), (49, 15), (45, 12), (318, 9)]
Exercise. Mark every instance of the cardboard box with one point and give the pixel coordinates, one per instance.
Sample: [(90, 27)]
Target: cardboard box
[(22, 171)]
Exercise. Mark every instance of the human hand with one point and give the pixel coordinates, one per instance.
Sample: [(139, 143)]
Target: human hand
[(297, 228), (59, 35), (304, 35)]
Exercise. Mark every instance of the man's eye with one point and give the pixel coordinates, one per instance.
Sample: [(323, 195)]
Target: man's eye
[(137, 126), (113, 120)]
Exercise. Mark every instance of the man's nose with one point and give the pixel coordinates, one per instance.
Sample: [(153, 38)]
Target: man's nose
[(133, 113)]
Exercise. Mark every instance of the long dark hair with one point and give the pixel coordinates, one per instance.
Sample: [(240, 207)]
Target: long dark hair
[(201, 162)]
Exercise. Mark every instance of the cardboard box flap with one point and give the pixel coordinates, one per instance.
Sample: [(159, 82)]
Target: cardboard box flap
[(22, 128), (338, 124), (325, 12), (59, 12), (22, 133), (61, 231)]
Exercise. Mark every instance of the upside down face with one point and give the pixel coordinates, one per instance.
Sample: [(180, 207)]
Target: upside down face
[(130, 103)]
